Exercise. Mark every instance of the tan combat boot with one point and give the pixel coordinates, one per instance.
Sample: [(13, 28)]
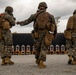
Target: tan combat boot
[(8, 61), (70, 59), (41, 64), (73, 62), (3, 62), (37, 61)]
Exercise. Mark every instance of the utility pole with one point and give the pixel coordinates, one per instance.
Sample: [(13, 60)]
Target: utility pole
[(57, 20)]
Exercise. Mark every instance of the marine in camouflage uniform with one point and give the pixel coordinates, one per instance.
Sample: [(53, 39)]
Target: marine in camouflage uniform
[(6, 42), (71, 43), (39, 38)]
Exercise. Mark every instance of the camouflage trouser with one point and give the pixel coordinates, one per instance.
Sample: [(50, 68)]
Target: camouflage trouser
[(71, 47), (2, 51), (6, 43), (74, 45), (40, 48)]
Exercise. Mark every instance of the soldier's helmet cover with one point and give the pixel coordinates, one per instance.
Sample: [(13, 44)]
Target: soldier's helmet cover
[(74, 12), (42, 4), (9, 9)]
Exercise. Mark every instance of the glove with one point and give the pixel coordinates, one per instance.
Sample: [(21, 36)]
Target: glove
[(18, 22)]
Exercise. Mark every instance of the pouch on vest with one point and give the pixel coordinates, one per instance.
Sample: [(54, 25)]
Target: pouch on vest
[(50, 27), (70, 23), (48, 38), (74, 35), (41, 20), (6, 25), (68, 34)]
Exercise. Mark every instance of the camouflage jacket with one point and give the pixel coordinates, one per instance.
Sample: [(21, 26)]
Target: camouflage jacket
[(9, 18), (71, 24), (32, 18)]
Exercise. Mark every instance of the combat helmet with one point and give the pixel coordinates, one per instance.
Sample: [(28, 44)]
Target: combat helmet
[(42, 4), (74, 12), (9, 9)]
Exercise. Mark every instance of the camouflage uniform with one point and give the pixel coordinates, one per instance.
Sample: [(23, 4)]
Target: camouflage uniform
[(71, 43), (39, 43), (7, 41)]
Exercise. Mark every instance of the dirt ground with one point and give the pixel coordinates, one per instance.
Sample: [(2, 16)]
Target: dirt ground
[(25, 65)]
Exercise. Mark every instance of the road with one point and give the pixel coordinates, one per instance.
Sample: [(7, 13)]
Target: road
[(25, 65)]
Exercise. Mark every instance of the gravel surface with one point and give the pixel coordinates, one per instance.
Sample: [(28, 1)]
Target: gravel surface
[(25, 65)]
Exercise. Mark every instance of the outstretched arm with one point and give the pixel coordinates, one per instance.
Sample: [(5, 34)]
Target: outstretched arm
[(27, 21)]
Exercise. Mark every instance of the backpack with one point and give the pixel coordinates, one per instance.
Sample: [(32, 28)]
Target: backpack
[(71, 23), (4, 24), (74, 24), (41, 20)]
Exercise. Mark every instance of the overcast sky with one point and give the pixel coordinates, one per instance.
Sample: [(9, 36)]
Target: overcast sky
[(24, 8)]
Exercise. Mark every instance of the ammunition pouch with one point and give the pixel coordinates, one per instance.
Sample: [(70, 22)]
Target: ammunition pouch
[(35, 34), (70, 23), (0, 34), (68, 34), (50, 27), (48, 38), (6, 25)]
